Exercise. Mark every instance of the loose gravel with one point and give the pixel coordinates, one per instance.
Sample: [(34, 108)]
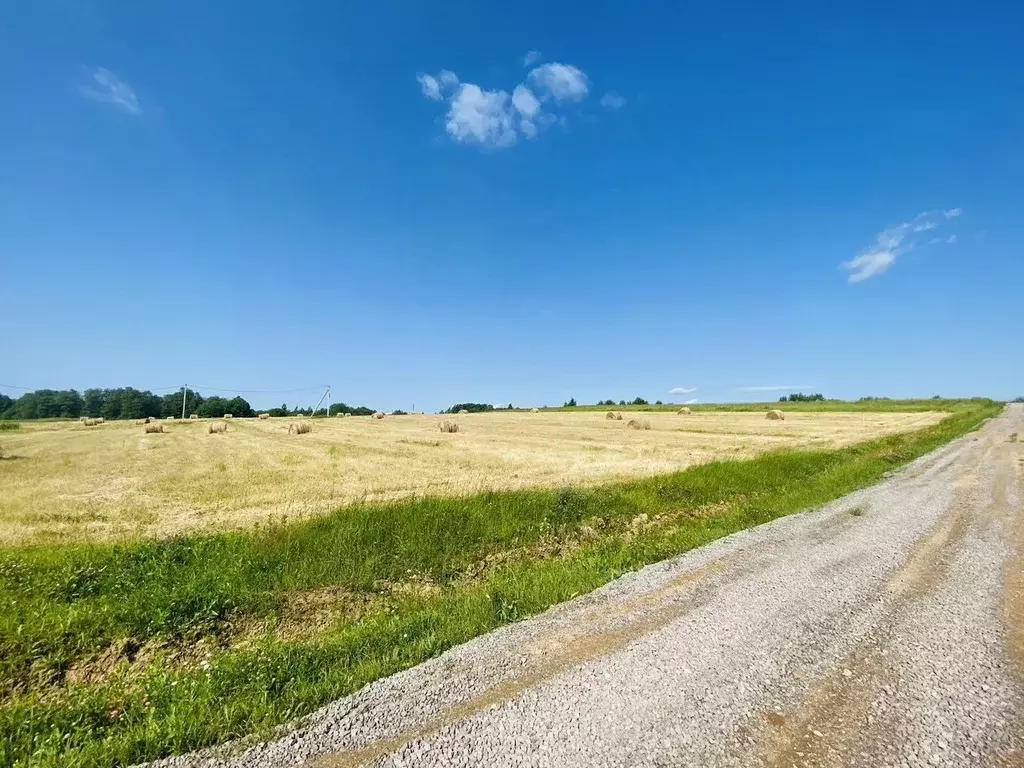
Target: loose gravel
[(879, 630)]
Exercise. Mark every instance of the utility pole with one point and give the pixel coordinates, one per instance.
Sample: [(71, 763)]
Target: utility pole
[(184, 394), (326, 395)]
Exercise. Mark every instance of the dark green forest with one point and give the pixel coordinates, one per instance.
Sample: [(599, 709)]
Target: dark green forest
[(129, 403)]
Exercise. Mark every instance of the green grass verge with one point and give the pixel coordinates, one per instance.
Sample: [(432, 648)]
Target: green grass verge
[(59, 607), (859, 406)]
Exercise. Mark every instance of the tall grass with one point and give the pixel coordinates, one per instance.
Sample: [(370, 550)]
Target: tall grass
[(60, 607)]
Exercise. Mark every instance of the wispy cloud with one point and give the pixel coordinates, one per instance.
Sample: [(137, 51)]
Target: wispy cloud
[(951, 240), (434, 87), (613, 100), (691, 401), (496, 119), (682, 390), (531, 58), (773, 388), (894, 242), (108, 88)]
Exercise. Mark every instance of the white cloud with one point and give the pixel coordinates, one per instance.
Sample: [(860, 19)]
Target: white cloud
[(493, 118), (528, 107), (691, 402), (773, 388), (531, 58), (430, 86), (951, 240), (613, 100), (525, 102), (476, 116), (682, 390), (110, 89), (435, 86), (561, 82), (894, 242)]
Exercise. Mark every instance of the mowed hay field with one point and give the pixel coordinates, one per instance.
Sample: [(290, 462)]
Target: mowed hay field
[(66, 482)]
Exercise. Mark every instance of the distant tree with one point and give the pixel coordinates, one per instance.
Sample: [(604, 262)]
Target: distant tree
[(936, 397), (638, 401), (622, 402), (510, 406), (399, 412), (360, 410), (45, 404), (800, 397), (6, 404), (1018, 400), (93, 400), (471, 407), (570, 404), (658, 402)]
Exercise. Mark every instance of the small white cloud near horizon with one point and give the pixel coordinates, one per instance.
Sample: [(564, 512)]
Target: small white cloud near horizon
[(613, 100), (531, 58), (108, 88), (494, 118), (682, 390), (893, 242), (691, 402), (773, 388)]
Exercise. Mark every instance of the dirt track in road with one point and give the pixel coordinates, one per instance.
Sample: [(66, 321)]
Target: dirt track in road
[(884, 629)]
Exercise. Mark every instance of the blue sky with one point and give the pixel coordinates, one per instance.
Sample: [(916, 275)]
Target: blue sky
[(424, 203)]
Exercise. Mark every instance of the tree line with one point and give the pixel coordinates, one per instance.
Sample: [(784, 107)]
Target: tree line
[(800, 397), (130, 403)]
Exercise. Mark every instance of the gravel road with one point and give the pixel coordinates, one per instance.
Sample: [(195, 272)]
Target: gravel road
[(884, 629)]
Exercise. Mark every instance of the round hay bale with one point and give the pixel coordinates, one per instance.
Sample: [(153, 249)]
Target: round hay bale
[(463, 412), (218, 427), (684, 411), (193, 417), (228, 416), (378, 415), (613, 415), (154, 428), (775, 415), (535, 410), (264, 415), (449, 426), (300, 428), (638, 424)]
